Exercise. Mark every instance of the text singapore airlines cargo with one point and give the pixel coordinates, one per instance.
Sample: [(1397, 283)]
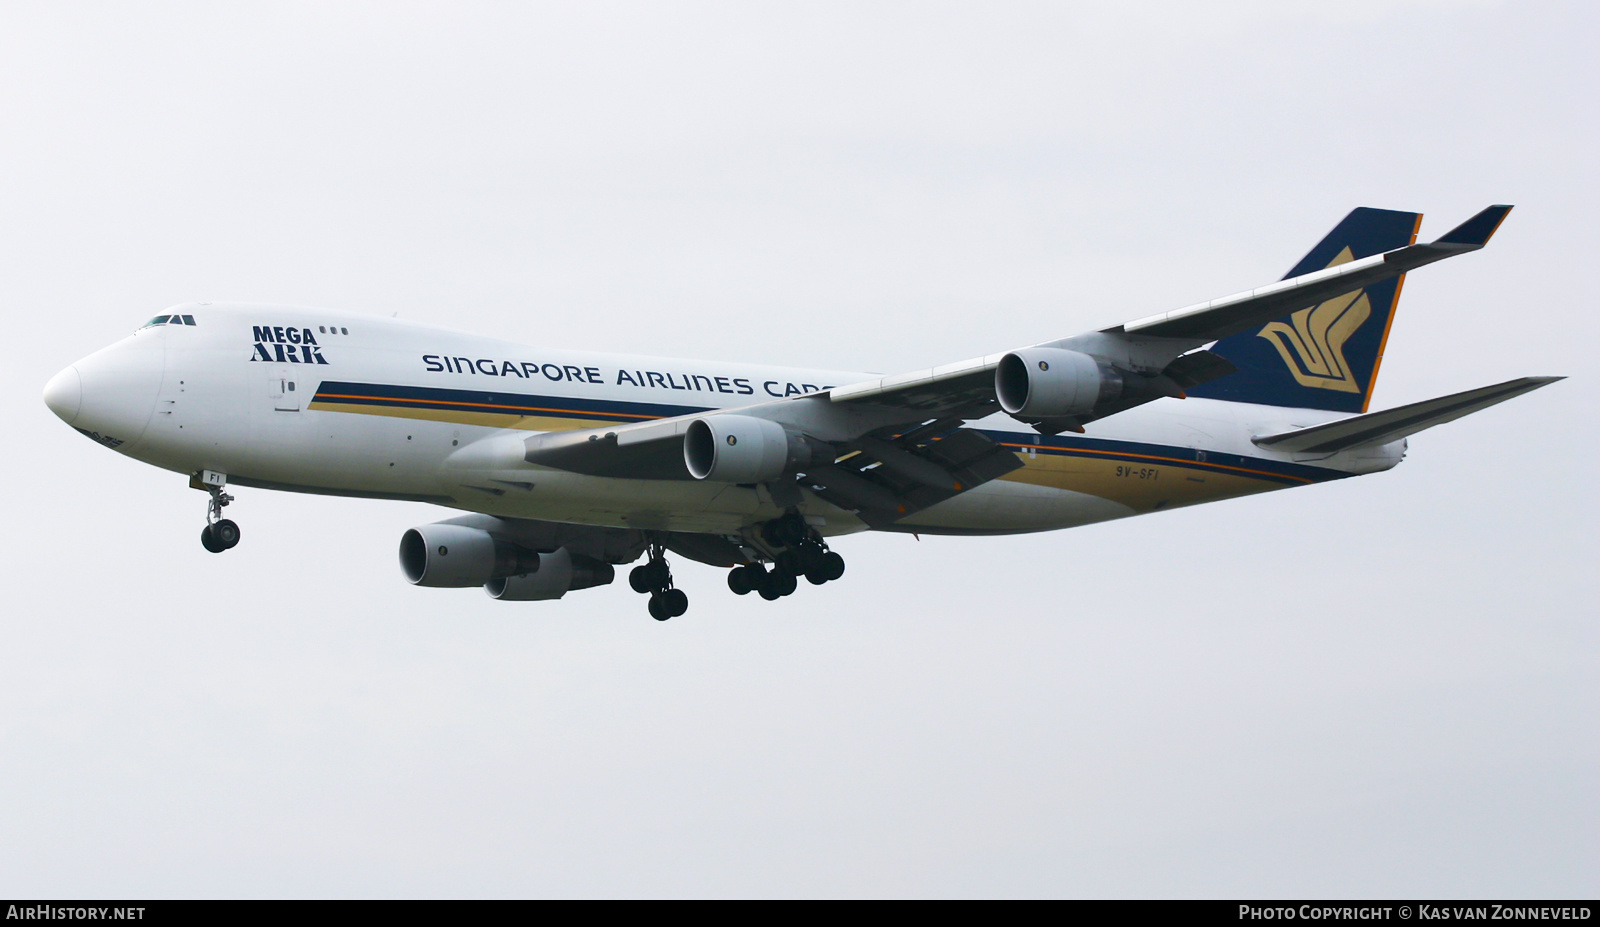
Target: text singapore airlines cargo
[(571, 462)]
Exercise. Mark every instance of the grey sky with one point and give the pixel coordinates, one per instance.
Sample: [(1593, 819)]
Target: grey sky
[(1383, 686)]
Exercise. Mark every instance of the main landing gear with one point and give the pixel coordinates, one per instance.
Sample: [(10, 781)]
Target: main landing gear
[(804, 554), (220, 533), (655, 577), (796, 550)]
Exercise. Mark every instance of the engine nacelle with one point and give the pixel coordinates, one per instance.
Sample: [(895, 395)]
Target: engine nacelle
[(1037, 383), (559, 573), (457, 555), (745, 449)]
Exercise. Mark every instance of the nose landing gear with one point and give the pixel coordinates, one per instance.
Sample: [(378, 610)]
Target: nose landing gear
[(220, 533), (655, 577)]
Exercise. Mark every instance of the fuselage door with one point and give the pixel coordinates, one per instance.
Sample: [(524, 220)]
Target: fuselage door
[(283, 391)]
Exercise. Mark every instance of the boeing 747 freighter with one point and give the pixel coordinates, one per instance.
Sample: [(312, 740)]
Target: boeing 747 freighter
[(569, 463)]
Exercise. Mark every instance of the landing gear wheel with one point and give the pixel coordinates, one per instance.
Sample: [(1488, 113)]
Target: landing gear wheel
[(742, 581), (668, 603), (225, 534), (208, 540), (769, 585), (779, 583), (825, 568), (650, 577)]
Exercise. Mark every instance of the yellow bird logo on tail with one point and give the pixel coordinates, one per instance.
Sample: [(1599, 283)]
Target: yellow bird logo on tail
[(1312, 342)]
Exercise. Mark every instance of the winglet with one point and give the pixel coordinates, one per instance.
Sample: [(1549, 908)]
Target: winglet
[(1476, 231)]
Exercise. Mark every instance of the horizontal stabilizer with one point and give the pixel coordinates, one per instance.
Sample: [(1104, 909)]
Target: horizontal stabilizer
[(1394, 424)]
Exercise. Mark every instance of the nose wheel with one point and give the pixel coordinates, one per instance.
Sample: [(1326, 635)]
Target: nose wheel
[(221, 536), (654, 578), (220, 533)]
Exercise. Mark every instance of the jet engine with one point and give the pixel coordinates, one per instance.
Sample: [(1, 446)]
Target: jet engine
[(459, 555), (559, 573), (1039, 383), (745, 449)]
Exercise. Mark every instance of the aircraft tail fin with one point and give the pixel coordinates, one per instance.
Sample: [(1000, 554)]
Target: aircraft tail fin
[(1393, 424), (1327, 356)]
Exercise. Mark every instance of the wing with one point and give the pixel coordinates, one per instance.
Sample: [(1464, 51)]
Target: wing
[(1163, 345), (891, 446)]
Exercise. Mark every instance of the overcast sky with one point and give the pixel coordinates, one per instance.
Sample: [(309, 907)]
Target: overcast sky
[(1387, 686)]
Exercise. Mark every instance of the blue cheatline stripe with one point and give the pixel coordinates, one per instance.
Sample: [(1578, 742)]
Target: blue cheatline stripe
[(497, 403), (501, 403)]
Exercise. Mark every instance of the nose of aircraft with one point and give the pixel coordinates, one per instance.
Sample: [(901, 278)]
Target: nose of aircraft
[(111, 394), (64, 393)]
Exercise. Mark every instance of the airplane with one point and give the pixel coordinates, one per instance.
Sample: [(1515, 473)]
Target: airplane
[(570, 463)]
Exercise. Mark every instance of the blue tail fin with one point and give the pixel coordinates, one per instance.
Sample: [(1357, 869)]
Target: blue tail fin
[(1324, 356)]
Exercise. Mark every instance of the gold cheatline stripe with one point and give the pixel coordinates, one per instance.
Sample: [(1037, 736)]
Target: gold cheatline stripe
[(489, 405), (1176, 460)]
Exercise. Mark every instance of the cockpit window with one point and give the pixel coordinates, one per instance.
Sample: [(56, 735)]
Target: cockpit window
[(170, 320)]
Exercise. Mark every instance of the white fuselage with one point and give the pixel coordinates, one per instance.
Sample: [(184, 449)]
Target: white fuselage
[(330, 402)]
